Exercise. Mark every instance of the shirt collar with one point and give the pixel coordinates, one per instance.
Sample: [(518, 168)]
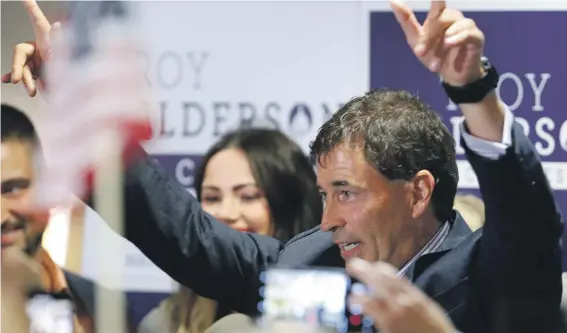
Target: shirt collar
[(432, 245)]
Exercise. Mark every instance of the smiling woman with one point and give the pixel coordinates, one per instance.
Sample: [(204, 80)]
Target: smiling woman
[(259, 180)]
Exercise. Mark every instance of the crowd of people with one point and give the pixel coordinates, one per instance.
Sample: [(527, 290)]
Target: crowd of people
[(377, 196)]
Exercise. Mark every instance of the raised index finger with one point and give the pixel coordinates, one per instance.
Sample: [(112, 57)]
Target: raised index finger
[(437, 7), (432, 26), (40, 23), (406, 18)]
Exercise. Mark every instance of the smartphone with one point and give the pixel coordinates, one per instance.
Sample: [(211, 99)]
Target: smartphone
[(315, 297)]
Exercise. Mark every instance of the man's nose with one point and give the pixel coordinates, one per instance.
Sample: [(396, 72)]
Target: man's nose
[(331, 219)]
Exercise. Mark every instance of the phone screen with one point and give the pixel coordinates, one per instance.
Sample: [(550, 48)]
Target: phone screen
[(316, 297)]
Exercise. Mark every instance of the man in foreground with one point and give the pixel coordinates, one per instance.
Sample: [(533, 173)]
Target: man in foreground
[(19, 141), (19, 144), (387, 173)]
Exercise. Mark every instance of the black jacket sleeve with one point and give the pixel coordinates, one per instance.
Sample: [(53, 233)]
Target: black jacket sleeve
[(168, 225), (517, 278)]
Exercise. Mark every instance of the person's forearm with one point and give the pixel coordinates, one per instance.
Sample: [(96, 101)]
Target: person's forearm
[(485, 119)]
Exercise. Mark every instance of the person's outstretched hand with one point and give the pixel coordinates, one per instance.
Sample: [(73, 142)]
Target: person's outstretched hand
[(447, 43), (29, 57)]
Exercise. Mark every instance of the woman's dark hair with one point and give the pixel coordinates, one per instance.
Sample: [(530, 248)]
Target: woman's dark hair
[(283, 172)]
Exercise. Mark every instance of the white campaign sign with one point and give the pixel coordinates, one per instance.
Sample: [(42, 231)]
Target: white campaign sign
[(216, 65)]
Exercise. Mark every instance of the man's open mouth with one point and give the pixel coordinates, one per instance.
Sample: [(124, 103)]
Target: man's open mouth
[(10, 232), (349, 249)]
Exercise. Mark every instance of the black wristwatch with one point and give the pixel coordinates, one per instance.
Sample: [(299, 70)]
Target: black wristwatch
[(474, 92)]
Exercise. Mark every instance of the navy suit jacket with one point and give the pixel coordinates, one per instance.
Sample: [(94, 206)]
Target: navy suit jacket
[(504, 278)]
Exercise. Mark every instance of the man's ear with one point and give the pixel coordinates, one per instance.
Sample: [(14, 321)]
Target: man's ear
[(422, 186)]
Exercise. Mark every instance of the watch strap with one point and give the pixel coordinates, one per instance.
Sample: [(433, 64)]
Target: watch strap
[(474, 92)]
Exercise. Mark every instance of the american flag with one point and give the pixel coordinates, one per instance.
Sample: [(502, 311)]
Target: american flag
[(97, 90)]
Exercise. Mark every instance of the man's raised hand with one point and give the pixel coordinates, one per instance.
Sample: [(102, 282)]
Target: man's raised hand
[(447, 43), (30, 56)]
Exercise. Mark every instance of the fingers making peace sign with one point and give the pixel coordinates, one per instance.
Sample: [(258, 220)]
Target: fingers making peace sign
[(447, 43), (29, 56)]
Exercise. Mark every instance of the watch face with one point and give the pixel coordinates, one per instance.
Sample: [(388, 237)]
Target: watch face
[(49, 314), (485, 62)]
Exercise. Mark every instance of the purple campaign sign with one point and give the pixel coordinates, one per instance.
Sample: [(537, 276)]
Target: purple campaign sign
[(180, 167), (533, 68)]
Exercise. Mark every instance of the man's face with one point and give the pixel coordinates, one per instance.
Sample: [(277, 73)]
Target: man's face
[(17, 178), (366, 212)]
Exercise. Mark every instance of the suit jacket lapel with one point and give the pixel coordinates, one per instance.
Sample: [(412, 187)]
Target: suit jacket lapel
[(437, 274), (458, 232)]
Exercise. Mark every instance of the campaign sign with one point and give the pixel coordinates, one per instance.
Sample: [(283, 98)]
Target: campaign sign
[(533, 81), (181, 167)]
